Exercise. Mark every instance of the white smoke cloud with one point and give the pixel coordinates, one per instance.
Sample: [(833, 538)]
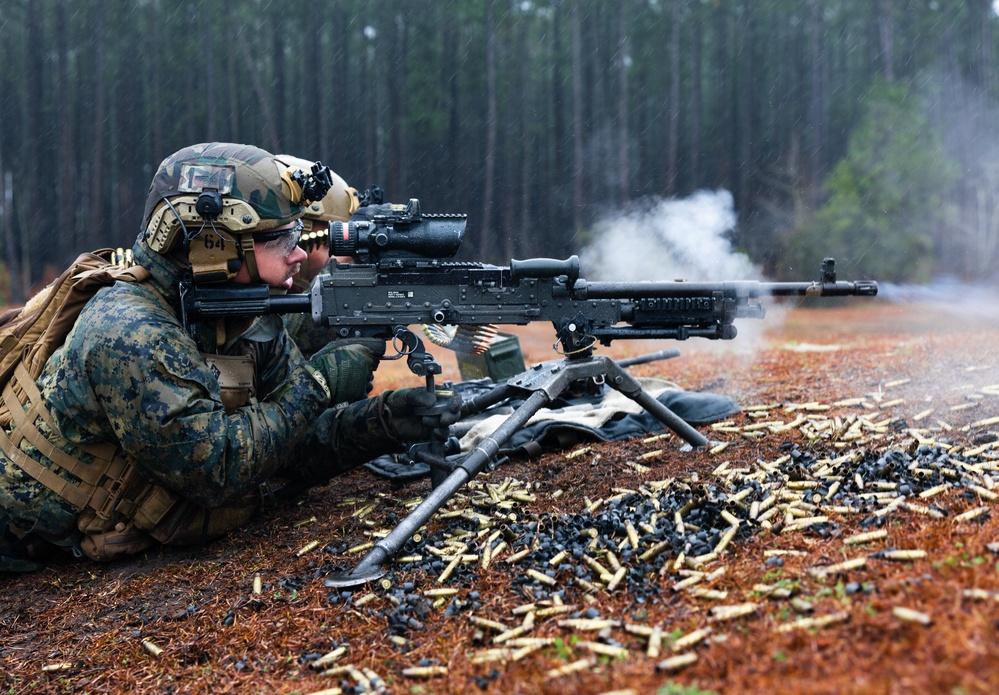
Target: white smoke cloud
[(668, 239), (662, 240)]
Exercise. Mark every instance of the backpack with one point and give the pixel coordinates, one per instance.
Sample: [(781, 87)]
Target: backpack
[(30, 334)]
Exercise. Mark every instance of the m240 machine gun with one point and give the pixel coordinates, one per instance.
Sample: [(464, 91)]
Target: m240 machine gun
[(402, 276)]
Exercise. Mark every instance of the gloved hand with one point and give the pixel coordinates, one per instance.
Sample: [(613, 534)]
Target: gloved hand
[(416, 415), (348, 369)]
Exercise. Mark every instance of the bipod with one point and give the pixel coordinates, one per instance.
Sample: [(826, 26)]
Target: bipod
[(545, 382)]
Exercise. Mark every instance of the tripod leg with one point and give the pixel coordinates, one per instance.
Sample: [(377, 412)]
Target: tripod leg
[(372, 567), (622, 381)]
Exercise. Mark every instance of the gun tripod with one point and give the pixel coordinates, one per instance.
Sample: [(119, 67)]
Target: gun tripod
[(545, 382)]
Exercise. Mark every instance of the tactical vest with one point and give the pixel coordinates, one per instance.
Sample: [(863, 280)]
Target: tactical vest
[(119, 512)]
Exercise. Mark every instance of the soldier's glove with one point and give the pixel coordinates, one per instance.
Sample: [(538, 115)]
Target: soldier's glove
[(348, 370), (416, 415)]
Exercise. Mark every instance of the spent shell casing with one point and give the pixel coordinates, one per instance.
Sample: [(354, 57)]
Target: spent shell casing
[(690, 639), (632, 533), (311, 545), (677, 662), (573, 667), (487, 623), (933, 491), (801, 605), (510, 634), (258, 584), (587, 624), (971, 514), (726, 539), (731, 612), (449, 569), (612, 560), (983, 492), (640, 630), (616, 579), (901, 554), (425, 671), (654, 550), (865, 537), (152, 648), (57, 666), (688, 582), (443, 591), (980, 595), (910, 615), (538, 576), (555, 610), (489, 655), (328, 658), (710, 594), (655, 644), (595, 565), (359, 677), (604, 649), (367, 598), (816, 622), (845, 566)]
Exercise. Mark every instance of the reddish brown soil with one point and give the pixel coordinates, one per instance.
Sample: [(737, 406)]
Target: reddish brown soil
[(80, 627)]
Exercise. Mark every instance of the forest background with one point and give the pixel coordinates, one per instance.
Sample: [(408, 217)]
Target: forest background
[(862, 129)]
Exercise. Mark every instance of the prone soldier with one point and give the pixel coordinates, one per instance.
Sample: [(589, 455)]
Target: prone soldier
[(144, 430)]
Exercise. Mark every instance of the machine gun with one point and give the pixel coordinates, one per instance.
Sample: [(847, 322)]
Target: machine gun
[(402, 277)]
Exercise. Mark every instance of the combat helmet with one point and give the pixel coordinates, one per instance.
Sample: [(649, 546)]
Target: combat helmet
[(336, 206), (215, 199)]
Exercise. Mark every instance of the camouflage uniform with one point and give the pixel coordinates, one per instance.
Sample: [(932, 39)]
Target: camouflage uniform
[(130, 375)]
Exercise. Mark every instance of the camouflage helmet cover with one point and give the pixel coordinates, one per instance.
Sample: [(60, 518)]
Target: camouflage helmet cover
[(256, 179)]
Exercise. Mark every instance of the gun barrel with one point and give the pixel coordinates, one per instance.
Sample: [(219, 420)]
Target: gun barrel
[(860, 288)]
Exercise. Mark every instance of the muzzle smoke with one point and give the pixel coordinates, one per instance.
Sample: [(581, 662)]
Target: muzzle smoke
[(671, 239)]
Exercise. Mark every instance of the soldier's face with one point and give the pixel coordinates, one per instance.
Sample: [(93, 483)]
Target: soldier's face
[(278, 260)]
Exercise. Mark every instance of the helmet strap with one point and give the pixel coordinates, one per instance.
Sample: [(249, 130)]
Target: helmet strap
[(249, 257)]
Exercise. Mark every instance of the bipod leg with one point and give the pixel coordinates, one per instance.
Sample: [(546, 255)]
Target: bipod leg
[(628, 385), (372, 566)]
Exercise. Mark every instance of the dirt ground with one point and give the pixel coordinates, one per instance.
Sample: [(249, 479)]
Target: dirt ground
[(796, 603)]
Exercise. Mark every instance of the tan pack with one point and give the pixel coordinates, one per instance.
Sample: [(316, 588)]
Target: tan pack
[(30, 334)]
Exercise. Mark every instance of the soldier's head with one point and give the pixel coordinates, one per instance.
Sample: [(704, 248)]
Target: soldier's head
[(233, 212), (337, 205)]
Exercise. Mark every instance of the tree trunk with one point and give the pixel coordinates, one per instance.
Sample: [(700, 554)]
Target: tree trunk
[(258, 88), (674, 100), (577, 120), (67, 162), (696, 107), (623, 58), (886, 36), (488, 186), (97, 154)]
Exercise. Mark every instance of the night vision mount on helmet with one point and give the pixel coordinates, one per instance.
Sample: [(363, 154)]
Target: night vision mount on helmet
[(339, 203)]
